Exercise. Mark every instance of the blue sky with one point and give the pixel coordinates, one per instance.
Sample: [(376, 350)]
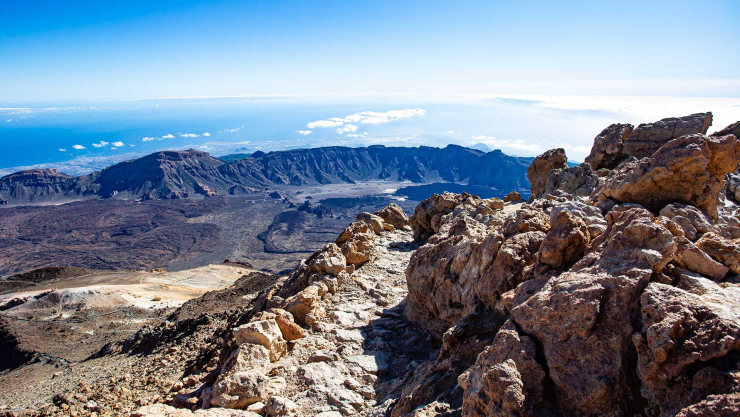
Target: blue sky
[(83, 50)]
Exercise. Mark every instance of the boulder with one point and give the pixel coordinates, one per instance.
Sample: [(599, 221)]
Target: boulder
[(425, 220), (359, 248), (281, 406), (692, 221), (285, 321), (688, 170), (351, 230), (512, 196), (376, 223), (564, 243), (393, 214), (330, 260), (715, 405), (305, 303), (722, 250), (683, 331), (506, 378), (541, 167), (265, 333), (583, 317), (241, 389), (245, 357), (578, 180), (647, 138), (606, 152), (694, 259)]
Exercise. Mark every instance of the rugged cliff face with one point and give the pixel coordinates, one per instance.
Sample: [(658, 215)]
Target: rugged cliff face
[(187, 174)]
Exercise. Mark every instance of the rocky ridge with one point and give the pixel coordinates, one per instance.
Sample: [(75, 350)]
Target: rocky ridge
[(196, 174)]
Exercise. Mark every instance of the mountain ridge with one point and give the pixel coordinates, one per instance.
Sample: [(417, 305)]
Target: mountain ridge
[(192, 173)]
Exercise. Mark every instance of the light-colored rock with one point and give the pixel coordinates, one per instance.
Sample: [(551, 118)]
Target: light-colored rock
[(247, 356), (694, 259), (376, 223), (512, 196), (280, 406), (304, 303), (359, 248), (393, 214), (265, 333), (723, 250)]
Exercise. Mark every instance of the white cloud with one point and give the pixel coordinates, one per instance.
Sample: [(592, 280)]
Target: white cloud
[(78, 147), (170, 136), (101, 144), (148, 139), (118, 144), (347, 128), (449, 132), (232, 130), (368, 117), (9, 120), (512, 144), (131, 145), (62, 150), (324, 123), (188, 135), (246, 142), (206, 134), (304, 132)]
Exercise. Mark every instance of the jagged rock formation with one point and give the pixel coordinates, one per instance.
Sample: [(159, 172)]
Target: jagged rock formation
[(189, 174), (620, 141), (688, 170), (541, 167)]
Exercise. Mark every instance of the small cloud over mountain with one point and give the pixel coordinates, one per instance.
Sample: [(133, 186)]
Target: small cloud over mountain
[(78, 147), (102, 144), (305, 132)]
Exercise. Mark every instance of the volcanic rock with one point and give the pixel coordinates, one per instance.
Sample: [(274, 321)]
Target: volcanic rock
[(607, 149), (647, 138), (393, 214), (541, 167), (688, 170), (512, 196)]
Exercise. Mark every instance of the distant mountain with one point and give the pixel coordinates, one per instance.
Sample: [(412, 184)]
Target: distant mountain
[(234, 157), (481, 147), (184, 174)]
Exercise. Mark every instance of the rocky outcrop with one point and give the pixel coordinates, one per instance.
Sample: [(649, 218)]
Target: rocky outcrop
[(606, 152), (541, 167), (689, 170), (394, 215), (647, 138), (578, 181), (512, 197)]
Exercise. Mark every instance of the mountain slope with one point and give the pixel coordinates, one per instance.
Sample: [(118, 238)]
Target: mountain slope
[(183, 174)]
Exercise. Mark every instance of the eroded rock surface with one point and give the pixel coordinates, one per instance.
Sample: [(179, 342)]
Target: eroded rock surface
[(541, 166)]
